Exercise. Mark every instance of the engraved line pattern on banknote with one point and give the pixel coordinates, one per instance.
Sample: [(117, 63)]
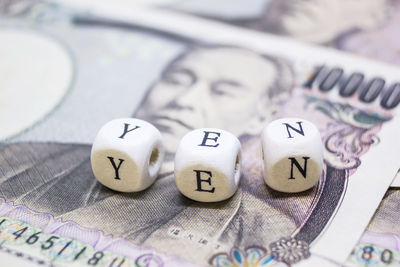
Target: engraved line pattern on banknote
[(348, 134), (66, 242)]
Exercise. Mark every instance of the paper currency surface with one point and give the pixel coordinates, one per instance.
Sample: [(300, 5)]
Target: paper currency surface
[(367, 28), (379, 245), (179, 76)]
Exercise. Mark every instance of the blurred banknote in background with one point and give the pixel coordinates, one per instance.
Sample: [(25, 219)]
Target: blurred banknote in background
[(368, 28), (68, 69)]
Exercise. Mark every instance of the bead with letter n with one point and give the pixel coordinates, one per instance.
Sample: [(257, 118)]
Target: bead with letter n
[(127, 154), (292, 152), (207, 165)]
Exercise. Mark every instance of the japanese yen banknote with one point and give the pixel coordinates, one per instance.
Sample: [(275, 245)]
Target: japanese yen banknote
[(68, 69), (345, 25), (369, 29)]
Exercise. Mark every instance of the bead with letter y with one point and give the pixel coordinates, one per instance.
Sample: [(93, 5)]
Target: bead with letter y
[(127, 154)]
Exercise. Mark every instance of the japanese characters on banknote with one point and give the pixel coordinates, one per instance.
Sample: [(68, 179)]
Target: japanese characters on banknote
[(181, 73)]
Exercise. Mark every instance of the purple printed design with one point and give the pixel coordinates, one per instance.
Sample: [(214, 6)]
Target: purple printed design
[(95, 238), (375, 249), (347, 131), (385, 240), (349, 134), (284, 252)]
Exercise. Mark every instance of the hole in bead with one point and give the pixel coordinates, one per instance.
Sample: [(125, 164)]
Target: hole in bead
[(153, 161), (154, 156), (237, 169)]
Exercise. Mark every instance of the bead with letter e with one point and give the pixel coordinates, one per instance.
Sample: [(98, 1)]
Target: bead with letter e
[(127, 154), (292, 152), (207, 165)]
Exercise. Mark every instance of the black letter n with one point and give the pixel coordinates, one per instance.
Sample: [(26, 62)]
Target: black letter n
[(299, 131), (303, 171)]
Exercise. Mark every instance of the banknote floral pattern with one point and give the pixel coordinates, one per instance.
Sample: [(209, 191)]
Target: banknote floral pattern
[(289, 250), (283, 252), (251, 257), (350, 134)]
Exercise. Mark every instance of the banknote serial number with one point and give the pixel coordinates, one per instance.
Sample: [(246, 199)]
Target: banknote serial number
[(374, 255), (55, 248), (367, 90)]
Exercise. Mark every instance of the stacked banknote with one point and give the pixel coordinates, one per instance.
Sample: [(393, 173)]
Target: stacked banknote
[(68, 67)]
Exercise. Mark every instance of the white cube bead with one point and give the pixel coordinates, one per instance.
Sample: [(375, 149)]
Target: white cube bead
[(292, 151), (207, 165), (127, 154)]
